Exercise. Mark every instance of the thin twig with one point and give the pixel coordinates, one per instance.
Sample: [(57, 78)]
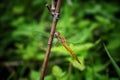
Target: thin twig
[(48, 7), (53, 7), (55, 19)]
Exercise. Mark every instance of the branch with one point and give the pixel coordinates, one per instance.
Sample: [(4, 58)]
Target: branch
[(54, 23)]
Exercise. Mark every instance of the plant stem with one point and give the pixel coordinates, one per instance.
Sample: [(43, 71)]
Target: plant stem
[(113, 61), (54, 23)]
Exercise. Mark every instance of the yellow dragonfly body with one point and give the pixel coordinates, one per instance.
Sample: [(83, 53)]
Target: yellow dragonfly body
[(63, 41)]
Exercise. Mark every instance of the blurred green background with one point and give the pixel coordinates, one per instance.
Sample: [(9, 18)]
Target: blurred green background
[(86, 24)]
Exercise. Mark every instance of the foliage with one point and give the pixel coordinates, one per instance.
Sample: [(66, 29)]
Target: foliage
[(25, 27), (113, 62)]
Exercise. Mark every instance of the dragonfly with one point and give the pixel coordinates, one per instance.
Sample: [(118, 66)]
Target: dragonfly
[(64, 43)]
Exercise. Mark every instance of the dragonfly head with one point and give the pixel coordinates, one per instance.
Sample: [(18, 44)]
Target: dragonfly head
[(57, 34)]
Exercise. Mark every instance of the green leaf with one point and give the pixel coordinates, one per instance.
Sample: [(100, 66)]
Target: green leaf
[(58, 73), (81, 66), (34, 75)]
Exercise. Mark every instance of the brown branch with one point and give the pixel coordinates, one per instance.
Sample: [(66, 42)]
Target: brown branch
[(55, 19), (53, 7)]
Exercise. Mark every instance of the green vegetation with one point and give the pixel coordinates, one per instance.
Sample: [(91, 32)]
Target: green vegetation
[(113, 62), (25, 27)]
